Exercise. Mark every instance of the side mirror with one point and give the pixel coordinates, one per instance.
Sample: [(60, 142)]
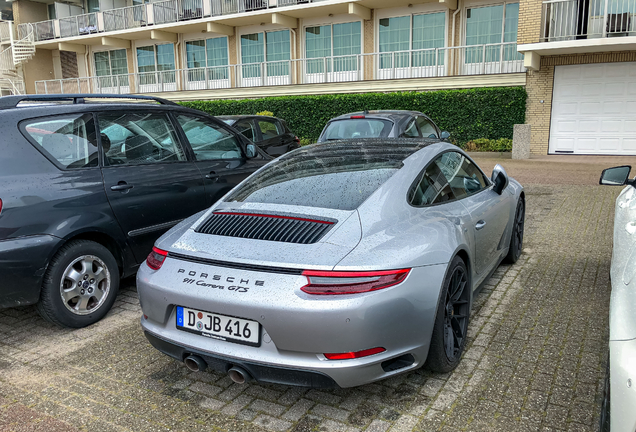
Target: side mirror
[(444, 135), (250, 151), (616, 176), (499, 178)]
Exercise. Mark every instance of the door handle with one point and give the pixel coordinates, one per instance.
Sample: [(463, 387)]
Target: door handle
[(480, 224), (122, 186), (212, 175)]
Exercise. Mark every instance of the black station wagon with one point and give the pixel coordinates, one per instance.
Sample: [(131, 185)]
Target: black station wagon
[(86, 188)]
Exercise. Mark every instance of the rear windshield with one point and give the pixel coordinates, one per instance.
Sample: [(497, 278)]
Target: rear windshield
[(358, 128), (334, 182)]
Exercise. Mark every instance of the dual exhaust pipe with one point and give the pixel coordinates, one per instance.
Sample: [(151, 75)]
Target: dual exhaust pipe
[(236, 373)]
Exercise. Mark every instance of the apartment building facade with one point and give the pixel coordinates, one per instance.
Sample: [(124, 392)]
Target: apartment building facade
[(204, 49)]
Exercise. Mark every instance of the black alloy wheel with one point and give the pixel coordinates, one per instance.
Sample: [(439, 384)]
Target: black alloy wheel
[(516, 239), (455, 315), (451, 322)]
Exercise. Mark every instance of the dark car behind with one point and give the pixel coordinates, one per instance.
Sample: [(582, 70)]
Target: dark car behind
[(269, 133)]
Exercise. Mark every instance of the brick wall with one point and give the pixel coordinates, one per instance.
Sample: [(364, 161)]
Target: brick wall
[(539, 86), (529, 29), (369, 46)]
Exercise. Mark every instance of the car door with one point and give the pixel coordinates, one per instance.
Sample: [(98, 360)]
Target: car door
[(219, 154), (274, 140), (427, 128), (247, 128), (488, 210), (149, 181), (411, 131)]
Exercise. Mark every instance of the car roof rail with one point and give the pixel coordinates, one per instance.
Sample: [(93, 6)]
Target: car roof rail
[(7, 102)]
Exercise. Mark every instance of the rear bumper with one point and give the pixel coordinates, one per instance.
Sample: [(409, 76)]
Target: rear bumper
[(259, 372), (296, 328), (23, 261)]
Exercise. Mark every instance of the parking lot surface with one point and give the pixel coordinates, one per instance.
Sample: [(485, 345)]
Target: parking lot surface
[(535, 357)]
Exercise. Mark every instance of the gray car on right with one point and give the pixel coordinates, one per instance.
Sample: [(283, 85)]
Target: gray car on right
[(618, 411)]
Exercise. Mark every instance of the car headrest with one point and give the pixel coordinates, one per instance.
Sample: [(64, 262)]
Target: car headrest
[(105, 142), (138, 147)]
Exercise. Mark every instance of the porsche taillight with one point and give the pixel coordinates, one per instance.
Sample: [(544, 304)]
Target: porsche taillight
[(156, 258), (345, 282)]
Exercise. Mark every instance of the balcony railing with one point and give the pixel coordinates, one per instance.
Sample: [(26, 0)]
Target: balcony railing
[(6, 30), (587, 19), (155, 13), (435, 62), (78, 25)]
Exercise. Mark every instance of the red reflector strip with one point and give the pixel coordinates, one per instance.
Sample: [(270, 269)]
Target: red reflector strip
[(156, 258), (345, 282), (354, 355), (357, 117), (274, 217), (0, 206)]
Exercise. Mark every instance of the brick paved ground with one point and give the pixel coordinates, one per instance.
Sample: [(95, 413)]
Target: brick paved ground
[(535, 358)]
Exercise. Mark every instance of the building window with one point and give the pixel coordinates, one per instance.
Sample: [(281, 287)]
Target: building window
[(155, 64), (211, 54), (271, 47), (111, 68), (340, 41), (92, 5), (51, 9), (492, 26), (411, 40)]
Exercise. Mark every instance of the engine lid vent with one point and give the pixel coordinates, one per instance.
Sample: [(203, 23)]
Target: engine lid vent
[(288, 229)]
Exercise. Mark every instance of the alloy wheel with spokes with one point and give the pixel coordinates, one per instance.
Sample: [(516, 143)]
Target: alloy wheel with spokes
[(85, 284), (80, 284), (456, 314), (451, 322)]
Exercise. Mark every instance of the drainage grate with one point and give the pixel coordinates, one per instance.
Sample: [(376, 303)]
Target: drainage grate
[(288, 229)]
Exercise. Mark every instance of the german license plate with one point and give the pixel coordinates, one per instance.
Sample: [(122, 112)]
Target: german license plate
[(221, 327)]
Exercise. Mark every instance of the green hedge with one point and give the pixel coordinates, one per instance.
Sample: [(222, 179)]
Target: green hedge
[(466, 114)]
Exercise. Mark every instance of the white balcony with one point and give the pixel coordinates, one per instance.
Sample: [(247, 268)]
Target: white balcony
[(437, 62), (150, 14), (587, 19)]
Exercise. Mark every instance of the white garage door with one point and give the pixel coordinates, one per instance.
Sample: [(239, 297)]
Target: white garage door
[(594, 109)]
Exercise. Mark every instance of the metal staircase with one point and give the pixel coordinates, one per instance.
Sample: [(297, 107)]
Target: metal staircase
[(15, 51)]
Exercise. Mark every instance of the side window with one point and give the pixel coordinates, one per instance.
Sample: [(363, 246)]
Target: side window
[(450, 176), (463, 176), (269, 129), (433, 187), (426, 127), (209, 141), (68, 139), (246, 128), (411, 131), (138, 138)]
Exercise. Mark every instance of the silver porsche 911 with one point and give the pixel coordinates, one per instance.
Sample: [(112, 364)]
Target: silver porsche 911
[(620, 386), (335, 265)]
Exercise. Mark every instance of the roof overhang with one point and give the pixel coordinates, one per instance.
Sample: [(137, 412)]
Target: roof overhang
[(534, 51)]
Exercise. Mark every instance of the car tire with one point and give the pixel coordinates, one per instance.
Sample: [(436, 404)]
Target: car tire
[(80, 285), (451, 321), (516, 238), (604, 421)]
